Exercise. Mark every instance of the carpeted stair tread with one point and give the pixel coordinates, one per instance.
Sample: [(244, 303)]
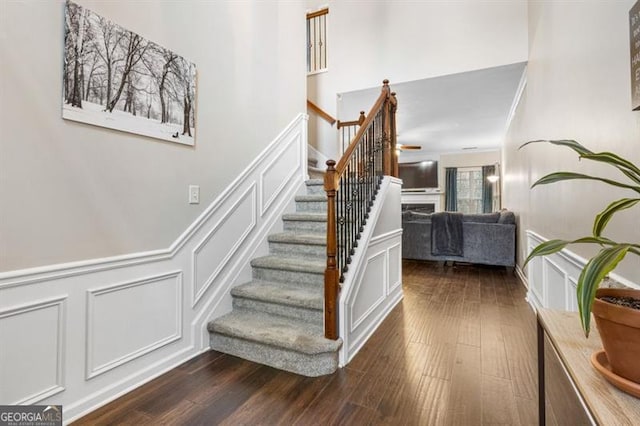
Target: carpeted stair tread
[(311, 198), (312, 182), (295, 264), (299, 238), (281, 293), (315, 172), (272, 330), (305, 217)]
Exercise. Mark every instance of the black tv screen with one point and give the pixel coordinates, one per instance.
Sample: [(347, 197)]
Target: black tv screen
[(419, 175)]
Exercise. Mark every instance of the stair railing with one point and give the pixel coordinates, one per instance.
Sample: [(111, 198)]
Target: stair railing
[(351, 186), (348, 130), (317, 41), (321, 113)]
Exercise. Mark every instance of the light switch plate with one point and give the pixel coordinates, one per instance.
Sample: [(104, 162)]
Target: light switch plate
[(194, 194)]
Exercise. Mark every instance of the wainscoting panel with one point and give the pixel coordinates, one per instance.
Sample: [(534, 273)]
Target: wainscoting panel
[(368, 296), (222, 242), (86, 332), (280, 171), (32, 351), (395, 268), (149, 316), (555, 285), (553, 279), (373, 285)]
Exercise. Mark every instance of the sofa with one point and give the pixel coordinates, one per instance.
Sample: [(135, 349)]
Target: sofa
[(488, 238)]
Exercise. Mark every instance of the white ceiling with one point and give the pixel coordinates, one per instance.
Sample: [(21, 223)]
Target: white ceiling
[(448, 114)]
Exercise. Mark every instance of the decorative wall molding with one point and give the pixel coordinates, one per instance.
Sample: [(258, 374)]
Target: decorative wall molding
[(280, 162), (89, 376), (382, 251), (394, 252), (71, 269), (221, 243), (381, 287), (93, 296), (57, 385), (552, 280)]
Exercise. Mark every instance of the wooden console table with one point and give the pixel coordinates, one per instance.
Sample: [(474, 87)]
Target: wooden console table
[(575, 393)]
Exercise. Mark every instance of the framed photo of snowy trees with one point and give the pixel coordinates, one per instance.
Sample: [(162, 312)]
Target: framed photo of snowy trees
[(115, 78)]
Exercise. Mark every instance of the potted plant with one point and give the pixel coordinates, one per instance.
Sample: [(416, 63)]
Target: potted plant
[(617, 311)]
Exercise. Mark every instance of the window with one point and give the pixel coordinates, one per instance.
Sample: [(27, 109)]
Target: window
[(469, 195)]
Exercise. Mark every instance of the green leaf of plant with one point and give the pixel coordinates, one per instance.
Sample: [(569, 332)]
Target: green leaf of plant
[(563, 142), (617, 161), (630, 175), (605, 216), (592, 274), (546, 248), (553, 246), (560, 176)]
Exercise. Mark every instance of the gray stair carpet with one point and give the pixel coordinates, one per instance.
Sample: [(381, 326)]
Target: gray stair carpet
[(277, 317)]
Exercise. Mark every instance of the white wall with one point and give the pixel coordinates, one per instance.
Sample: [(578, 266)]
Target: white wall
[(369, 41), (578, 87), (70, 191)]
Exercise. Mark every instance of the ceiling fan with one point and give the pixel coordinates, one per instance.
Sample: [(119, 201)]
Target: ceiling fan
[(402, 147)]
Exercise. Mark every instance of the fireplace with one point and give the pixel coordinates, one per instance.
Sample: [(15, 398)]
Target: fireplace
[(420, 208), (423, 201)]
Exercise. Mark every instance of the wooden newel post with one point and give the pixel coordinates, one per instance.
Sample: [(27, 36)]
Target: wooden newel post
[(386, 130), (331, 275), (361, 118), (393, 102)]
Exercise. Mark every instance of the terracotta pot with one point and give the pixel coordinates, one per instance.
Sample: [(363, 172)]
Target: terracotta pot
[(619, 329)]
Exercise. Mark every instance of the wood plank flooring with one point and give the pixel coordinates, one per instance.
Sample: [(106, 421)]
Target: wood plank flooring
[(458, 350)]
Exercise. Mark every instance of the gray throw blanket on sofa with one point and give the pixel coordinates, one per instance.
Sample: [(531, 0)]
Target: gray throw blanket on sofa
[(446, 234)]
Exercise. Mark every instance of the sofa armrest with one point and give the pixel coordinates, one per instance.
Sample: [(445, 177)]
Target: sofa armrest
[(490, 243)]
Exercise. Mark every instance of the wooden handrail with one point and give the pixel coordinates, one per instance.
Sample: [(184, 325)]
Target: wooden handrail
[(370, 154), (357, 122), (315, 108), (352, 146), (317, 13)]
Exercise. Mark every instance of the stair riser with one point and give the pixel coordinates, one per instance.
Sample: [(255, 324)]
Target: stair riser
[(312, 316), (304, 226), (315, 174), (315, 190), (295, 362), (311, 206), (294, 277), (298, 250)]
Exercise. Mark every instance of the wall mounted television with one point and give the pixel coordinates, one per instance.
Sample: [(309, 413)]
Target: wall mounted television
[(418, 176)]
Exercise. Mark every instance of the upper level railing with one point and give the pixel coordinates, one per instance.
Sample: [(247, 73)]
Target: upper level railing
[(317, 40), (351, 186)]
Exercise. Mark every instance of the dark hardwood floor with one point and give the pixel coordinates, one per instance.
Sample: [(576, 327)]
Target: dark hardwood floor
[(458, 350)]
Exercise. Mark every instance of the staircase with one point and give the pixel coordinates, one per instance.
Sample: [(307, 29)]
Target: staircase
[(277, 318), (314, 171)]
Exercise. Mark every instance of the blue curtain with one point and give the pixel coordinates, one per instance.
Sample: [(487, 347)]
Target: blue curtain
[(487, 189), (451, 189)]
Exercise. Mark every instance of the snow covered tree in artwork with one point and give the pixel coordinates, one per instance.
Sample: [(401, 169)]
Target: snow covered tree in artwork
[(115, 78)]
